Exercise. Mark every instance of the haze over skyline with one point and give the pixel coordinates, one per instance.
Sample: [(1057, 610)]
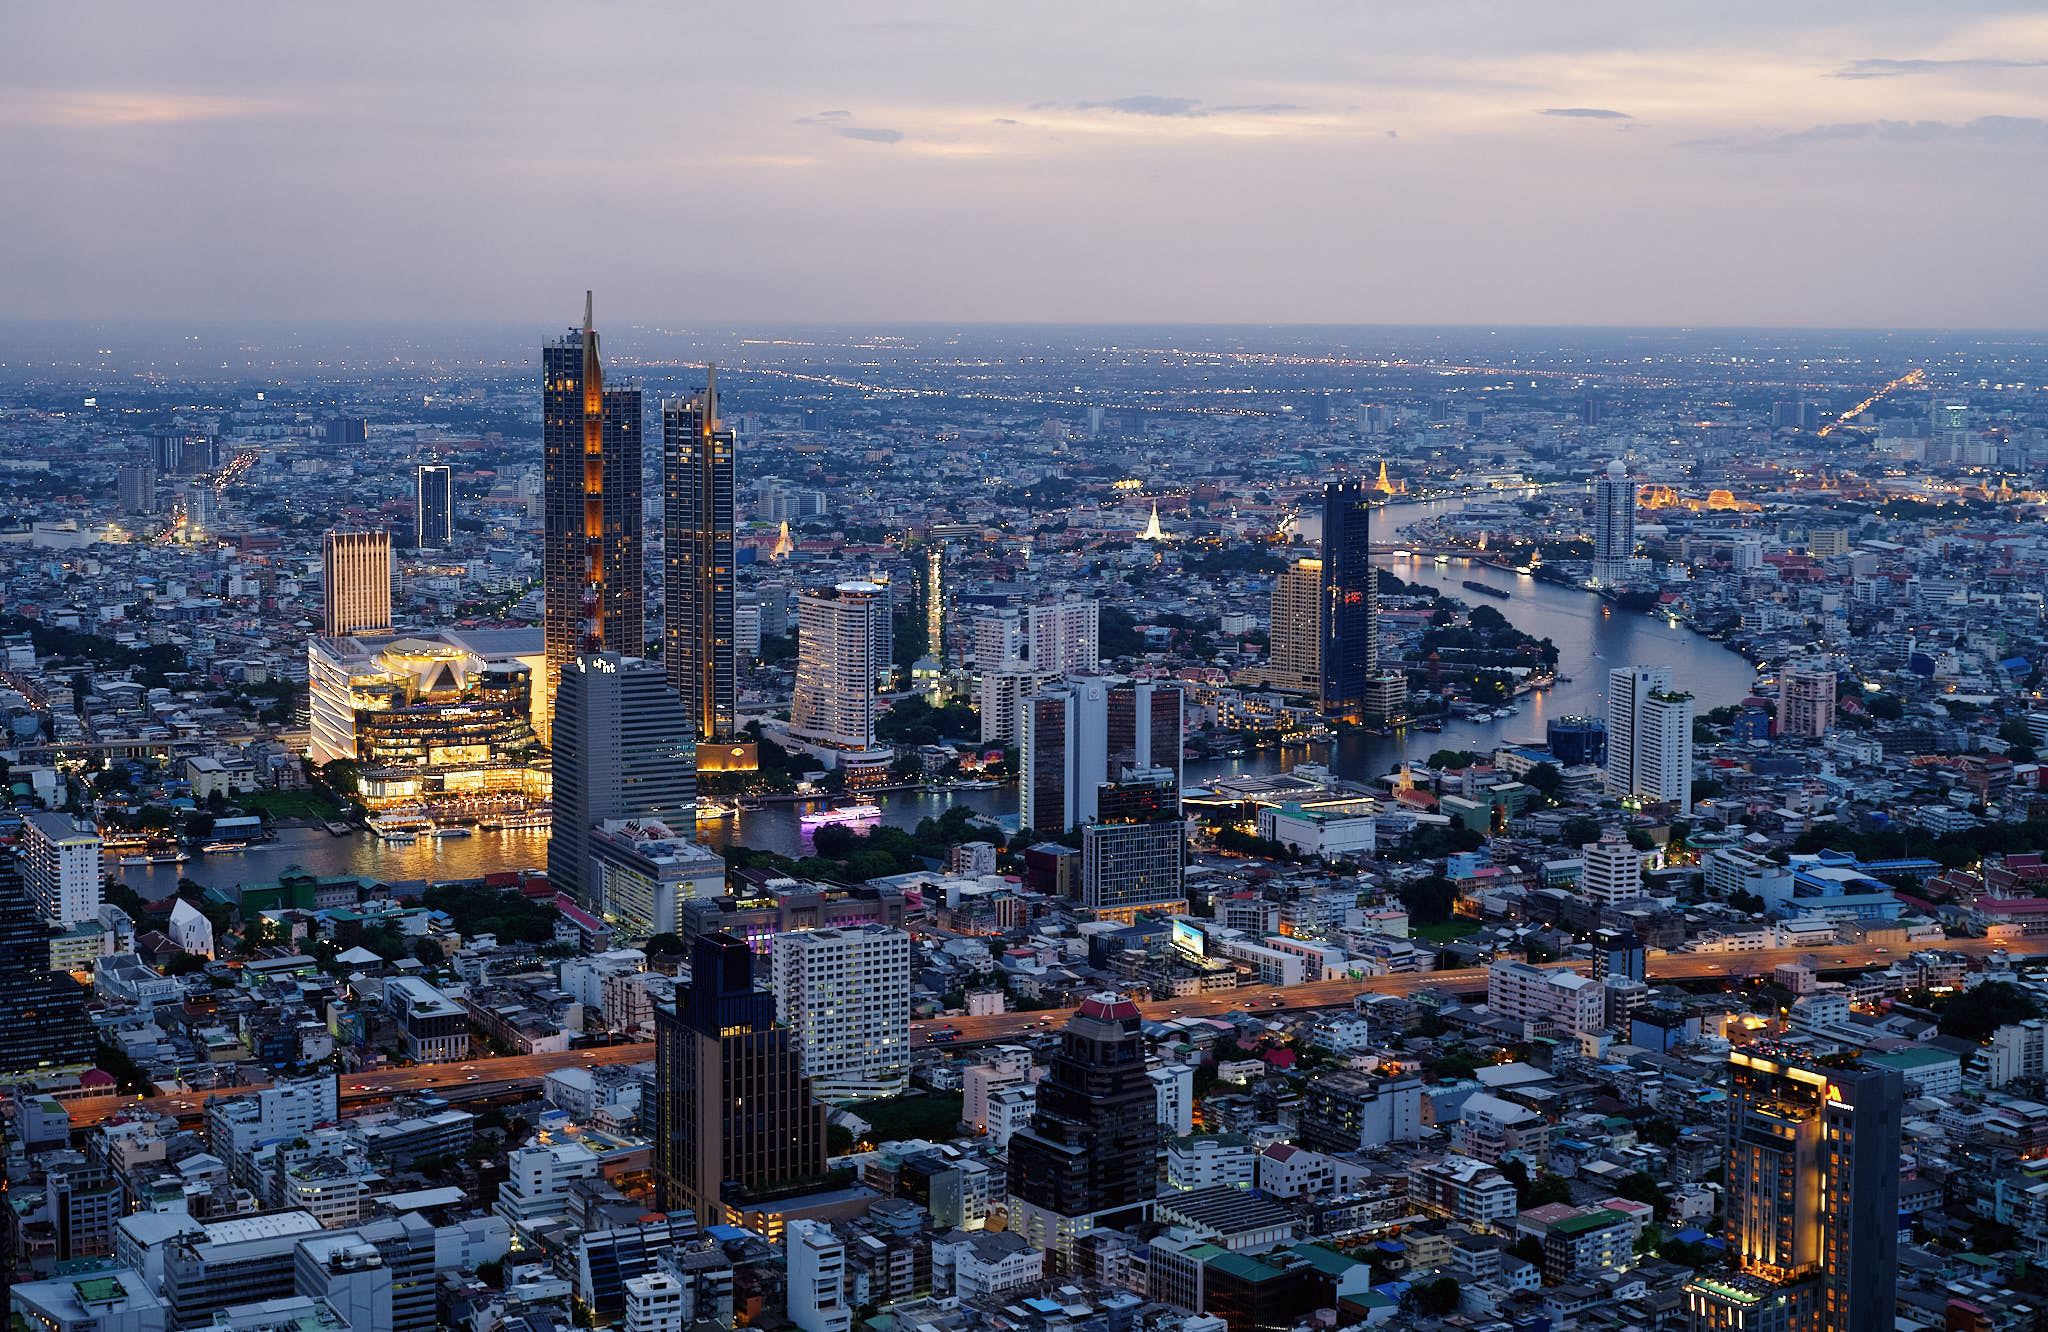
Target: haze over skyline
[(1866, 165)]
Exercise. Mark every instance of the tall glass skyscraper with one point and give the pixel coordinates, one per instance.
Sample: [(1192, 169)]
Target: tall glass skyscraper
[(697, 457), (590, 506), (434, 509), (733, 1109), (1614, 525), (623, 750), (43, 1026), (1813, 1197), (1351, 602)]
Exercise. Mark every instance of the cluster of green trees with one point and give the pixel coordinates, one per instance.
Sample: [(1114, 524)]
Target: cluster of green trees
[(846, 855), (914, 721), (1949, 849), (476, 909)]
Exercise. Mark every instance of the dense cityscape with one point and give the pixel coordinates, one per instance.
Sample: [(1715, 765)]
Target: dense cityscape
[(1025, 828)]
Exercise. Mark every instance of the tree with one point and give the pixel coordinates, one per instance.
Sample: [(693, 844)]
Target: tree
[(1579, 831), (1884, 707), (664, 944), (1975, 1013), (1436, 1298), (1641, 840), (1429, 901), (1453, 758), (184, 964), (1487, 618), (1546, 779), (1705, 788)]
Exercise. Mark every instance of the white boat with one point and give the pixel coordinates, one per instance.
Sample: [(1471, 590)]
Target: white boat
[(224, 848), (840, 814), (454, 830)]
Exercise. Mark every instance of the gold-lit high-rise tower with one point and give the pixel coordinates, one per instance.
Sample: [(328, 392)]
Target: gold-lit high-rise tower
[(697, 460), (590, 553)]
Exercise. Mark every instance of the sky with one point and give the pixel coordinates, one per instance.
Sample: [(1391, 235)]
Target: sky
[(1829, 163)]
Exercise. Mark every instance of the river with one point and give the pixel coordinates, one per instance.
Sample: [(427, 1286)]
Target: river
[(1590, 640)]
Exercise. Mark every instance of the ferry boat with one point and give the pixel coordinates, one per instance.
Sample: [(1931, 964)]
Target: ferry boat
[(224, 848), (158, 858), (400, 827), (518, 818), (840, 813), (453, 830), (711, 809)]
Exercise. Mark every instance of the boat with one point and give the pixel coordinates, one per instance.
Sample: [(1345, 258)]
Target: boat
[(1443, 559), (224, 848), (711, 809), (977, 784), (1487, 589), (400, 827), (543, 817), (158, 858), (840, 813), (1484, 714), (454, 830)]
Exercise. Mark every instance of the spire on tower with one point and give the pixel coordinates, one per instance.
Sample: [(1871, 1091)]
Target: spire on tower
[(586, 311)]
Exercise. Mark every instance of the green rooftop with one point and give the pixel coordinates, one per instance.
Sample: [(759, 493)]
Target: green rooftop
[(1573, 1225)]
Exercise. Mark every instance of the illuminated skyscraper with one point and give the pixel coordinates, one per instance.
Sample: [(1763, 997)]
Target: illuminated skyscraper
[(1296, 627), (697, 549), (842, 637), (1812, 1198), (1614, 525), (356, 567), (1351, 603), (590, 506), (433, 513), (733, 1109)]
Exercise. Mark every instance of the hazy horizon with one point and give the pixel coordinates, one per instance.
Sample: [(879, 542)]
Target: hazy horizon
[(1473, 163)]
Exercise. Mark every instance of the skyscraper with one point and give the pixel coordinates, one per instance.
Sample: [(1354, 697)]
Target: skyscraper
[(622, 751), (43, 1026), (591, 571), (433, 510), (1090, 1155), (1649, 737), (1295, 660), (1813, 1197), (60, 864), (357, 570), (1087, 730), (697, 455), (845, 996), (839, 630), (732, 1103), (1351, 603), (1055, 637), (1133, 854), (1614, 525)]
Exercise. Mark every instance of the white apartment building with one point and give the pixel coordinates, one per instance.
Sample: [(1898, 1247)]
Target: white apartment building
[(838, 631), (1009, 1109), (1055, 638), (1649, 737), (237, 1126), (1174, 1085), (60, 866), (1561, 998), (654, 1303), (540, 1178), (1206, 1160), (1002, 693), (1613, 873), (816, 1260), (980, 1082), (845, 996)]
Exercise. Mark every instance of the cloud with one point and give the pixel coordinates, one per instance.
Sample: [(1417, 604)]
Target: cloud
[(99, 110), (2021, 131), (1892, 69), (1587, 112), (1147, 104), (868, 135)]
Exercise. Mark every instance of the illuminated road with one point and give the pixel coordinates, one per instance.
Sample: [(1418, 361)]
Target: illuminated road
[(451, 1079)]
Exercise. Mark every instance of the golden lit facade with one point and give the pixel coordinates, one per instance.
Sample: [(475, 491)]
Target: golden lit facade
[(356, 569), (431, 721), (592, 579)]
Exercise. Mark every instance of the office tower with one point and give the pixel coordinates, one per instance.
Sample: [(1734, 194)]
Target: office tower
[(347, 430), (202, 507), (1350, 612), (590, 511), (1649, 737), (167, 451), (1295, 659), (1054, 638), (43, 1026), (1319, 408), (1746, 555), (357, 570), (697, 455), (1090, 1155), (1806, 703), (844, 994), (837, 630), (935, 590), (60, 865), (1614, 872), (433, 511), (1132, 855), (1576, 741), (622, 751), (816, 1259), (1813, 1197), (1614, 525), (732, 1103), (138, 487), (1087, 730)]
